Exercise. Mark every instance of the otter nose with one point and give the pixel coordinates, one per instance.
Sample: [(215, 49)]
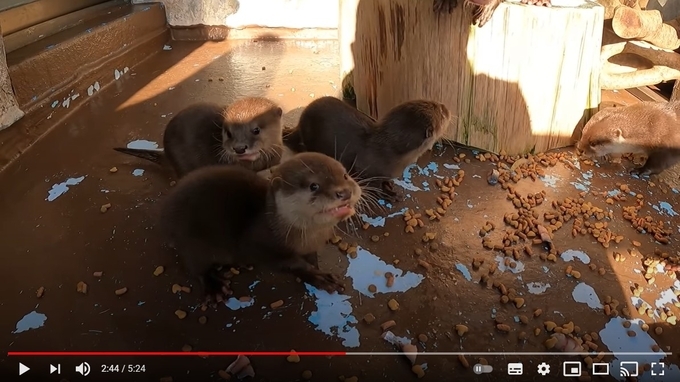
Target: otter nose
[(241, 149), (343, 194)]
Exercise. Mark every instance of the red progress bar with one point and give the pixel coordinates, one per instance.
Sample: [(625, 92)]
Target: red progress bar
[(171, 353)]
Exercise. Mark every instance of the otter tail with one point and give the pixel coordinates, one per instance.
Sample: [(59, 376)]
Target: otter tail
[(156, 156), (293, 140)]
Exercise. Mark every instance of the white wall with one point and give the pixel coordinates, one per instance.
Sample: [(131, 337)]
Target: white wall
[(294, 14)]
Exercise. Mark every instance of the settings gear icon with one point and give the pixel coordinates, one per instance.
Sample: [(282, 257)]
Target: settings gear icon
[(543, 369)]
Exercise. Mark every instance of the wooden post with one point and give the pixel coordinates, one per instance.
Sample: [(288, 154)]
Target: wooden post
[(524, 82), (9, 109)]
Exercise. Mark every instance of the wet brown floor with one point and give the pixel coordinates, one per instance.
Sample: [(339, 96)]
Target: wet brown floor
[(55, 243)]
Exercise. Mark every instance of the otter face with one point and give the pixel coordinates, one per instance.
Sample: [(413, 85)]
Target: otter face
[(600, 138), (252, 126), (312, 189)]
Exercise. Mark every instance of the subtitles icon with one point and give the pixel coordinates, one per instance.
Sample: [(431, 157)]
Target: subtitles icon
[(515, 368), (628, 369), (658, 369), (571, 369), (83, 369), (600, 368)]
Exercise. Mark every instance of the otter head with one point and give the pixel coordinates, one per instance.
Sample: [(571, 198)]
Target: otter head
[(415, 126), (312, 190), (601, 136), (251, 128)]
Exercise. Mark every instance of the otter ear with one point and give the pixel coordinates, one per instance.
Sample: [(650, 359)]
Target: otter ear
[(275, 182), (429, 132), (278, 111)]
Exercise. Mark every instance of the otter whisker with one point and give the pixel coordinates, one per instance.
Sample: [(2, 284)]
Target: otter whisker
[(305, 164)]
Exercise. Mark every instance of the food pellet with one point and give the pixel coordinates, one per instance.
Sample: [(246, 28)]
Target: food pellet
[(98, 274), (461, 329), (113, 170), (158, 271), (186, 348), (307, 374), (418, 371), (375, 238), (372, 288), (387, 325), (105, 207), (393, 305), (202, 320), (121, 291), (463, 361), (658, 330), (39, 293), (180, 314), (293, 357), (276, 304), (369, 318), (176, 288), (81, 287), (422, 338), (503, 327)]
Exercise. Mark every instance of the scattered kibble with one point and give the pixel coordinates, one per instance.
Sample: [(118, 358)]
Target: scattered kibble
[(40, 292), (105, 207), (293, 357), (369, 318), (307, 375), (121, 291), (159, 270), (81, 287), (113, 170), (276, 304), (202, 320), (393, 305), (98, 274), (180, 314)]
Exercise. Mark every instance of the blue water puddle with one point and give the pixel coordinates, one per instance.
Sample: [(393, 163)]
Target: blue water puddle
[(60, 189), (450, 166), (142, 144), (583, 183), (252, 286), (537, 287), (615, 337), (406, 181), (571, 255), (465, 271), (333, 316), (664, 208), (613, 193), (550, 180), (500, 261), (379, 221), (368, 269), (235, 304), (383, 203), (138, 172), (32, 320), (585, 294), (667, 297)]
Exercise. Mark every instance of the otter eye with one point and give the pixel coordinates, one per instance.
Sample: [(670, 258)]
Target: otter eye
[(255, 131), (313, 187), (228, 134)]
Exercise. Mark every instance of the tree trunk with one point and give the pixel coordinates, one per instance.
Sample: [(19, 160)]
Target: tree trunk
[(526, 81)]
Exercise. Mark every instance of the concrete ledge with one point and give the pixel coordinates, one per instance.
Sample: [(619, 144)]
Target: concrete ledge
[(52, 81), (9, 110)]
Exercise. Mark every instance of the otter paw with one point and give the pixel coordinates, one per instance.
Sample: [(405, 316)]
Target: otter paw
[(390, 193), (326, 281), (640, 172), (444, 6)]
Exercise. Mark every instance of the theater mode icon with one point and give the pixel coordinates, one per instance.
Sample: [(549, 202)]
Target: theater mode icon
[(515, 368)]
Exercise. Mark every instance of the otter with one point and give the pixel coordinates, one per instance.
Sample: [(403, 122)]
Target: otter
[(246, 133), (372, 151), (230, 216), (483, 9), (649, 128)]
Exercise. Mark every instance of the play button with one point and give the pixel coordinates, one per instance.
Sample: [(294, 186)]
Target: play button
[(23, 368)]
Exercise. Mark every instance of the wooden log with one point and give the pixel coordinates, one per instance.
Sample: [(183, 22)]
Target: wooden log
[(647, 26), (9, 109), (664, 65), (524, 82)]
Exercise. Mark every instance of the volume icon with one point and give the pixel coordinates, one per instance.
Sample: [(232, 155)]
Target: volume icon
[(83, 369)]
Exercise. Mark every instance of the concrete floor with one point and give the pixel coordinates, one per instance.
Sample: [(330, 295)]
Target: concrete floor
[(56, 243)]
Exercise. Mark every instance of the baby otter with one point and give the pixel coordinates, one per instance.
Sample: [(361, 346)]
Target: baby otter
[(374, 152), (227, 215), (649, 128), (483, 9), (246, 133)]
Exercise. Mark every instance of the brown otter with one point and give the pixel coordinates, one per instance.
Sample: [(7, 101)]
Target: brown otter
[(483, 9), (227, 215), (374, 152), (649, 128), (247, 133)]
